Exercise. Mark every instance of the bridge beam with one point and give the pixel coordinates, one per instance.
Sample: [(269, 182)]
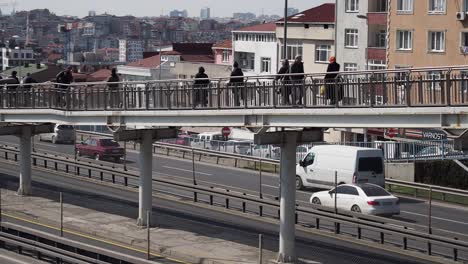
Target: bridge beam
[(288, 140), (146, 137)]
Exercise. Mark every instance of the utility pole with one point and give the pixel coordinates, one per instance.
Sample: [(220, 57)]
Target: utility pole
[(285, 42)]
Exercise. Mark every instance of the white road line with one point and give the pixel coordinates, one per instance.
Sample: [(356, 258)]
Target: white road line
[(173, 168), (434, 217), (276, 187)]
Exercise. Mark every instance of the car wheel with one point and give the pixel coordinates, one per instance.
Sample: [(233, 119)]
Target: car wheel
[(54, 141), (355, 209), (97, 156), (299, 184), (316, 201)]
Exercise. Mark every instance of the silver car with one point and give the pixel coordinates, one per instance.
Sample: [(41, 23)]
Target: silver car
[(61, 134)]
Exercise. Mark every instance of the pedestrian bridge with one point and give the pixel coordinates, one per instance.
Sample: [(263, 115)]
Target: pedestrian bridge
[(409, 98)]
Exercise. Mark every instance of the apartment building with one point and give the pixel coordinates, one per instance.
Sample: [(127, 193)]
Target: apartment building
[(428, 33), (361, 39), (255, 49), (311, 35), (130, 50), (10, 58)]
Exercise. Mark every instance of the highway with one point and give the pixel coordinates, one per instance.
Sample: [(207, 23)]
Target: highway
[(319, 248), (444, 216)]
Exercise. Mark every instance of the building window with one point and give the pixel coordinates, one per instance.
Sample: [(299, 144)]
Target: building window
[(464, 41), (351, 38), (266, 65), (436, 41), (465, 6), (435, 78), (293, 50), (226, 54), (437, 6), (404, 40), (405, 6), (352, 5), (377, 65), (380, 39), (348, 67), (322, 53)]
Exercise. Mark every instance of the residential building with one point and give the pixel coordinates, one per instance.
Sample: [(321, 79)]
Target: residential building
[(428, 33), (16, 57), (256, 50), (361, 39), (223, 52), (130, 50), (152, 68), (205, 13), (311, 35), (177, 13)]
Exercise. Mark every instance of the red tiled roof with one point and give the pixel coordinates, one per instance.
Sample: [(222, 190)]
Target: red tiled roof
[(227, 44), (197, 58), (101, 75), (321, 14), (151, 62), (269, 27)]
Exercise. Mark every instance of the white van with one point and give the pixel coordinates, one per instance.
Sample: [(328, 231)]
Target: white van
[(352, 164), (203, 140), (61, 134)]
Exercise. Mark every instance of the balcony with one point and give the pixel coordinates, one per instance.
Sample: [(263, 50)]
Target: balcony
[(377, 53), (377, 19)]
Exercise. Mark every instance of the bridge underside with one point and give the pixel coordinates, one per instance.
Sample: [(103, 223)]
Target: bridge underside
[(414, 117)]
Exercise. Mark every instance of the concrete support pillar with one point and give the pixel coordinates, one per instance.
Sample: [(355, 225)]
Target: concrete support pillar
[(287, 248), (146, 177), (25, 161)]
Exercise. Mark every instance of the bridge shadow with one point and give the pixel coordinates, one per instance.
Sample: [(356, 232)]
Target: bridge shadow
[(170, 217)]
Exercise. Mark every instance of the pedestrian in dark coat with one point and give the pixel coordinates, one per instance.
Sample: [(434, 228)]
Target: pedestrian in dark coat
[(285, 80), (113, 88), (298, 80), (330, 80), (236, 83), (63, 77), (27, 81), (201, 87)]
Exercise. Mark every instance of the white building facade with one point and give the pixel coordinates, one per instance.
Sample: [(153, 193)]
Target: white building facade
[(256, 50), (16, 57), (130, 50)]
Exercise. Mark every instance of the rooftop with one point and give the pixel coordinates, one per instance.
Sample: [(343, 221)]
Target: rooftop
[(268, 27), (321, 14), (227, 44), (151, 62)]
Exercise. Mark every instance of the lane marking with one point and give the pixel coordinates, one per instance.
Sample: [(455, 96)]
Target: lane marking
[(435, 217), (179, 169), (91, 238), (276, 187)]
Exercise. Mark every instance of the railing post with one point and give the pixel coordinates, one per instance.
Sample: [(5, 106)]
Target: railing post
[(448, 87), (218, 99), (405, 241), (455, 252), (408, 89)]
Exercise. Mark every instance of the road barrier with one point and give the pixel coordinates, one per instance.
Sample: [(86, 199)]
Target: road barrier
[(405, 236)]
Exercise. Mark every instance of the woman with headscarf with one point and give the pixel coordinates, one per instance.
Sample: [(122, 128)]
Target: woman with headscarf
[(201, 87), (330, 80)]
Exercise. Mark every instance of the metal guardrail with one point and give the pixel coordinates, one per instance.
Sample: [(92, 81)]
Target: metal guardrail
[(389, 231), (66, 250), (443, 86)]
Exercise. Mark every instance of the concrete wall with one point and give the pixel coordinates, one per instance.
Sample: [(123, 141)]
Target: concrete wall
[(218, 54), (400, 171)]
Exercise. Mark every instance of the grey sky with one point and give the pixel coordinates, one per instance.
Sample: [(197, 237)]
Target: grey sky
[(155, 7)]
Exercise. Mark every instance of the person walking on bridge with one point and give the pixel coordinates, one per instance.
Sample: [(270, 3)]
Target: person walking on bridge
[(285, 81), (330, 81), (64, 77), (200, 88), (298, 80), (27, 81), (113, 89), (236, 83)]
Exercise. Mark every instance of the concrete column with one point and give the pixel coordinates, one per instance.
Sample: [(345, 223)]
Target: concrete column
[(146, 177), (25, 161), (287, 250)]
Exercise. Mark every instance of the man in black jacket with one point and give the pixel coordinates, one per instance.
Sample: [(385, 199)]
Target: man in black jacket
[(297, 79), (27, 81), (236, 82), (201, 87), (286, 81), (332, 73), (113, 88), (63, 77)]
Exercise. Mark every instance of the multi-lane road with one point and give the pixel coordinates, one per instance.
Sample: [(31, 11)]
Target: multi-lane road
[(444, 216), (321, 249)]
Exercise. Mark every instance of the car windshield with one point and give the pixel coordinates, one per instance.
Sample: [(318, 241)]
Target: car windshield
[(109, 143), (371, 190), (65, 127)]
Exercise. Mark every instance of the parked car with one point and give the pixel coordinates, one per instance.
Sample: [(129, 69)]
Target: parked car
[(351, 164), (61, 134), (100, 148), (265, 151), (364, 198), (203, 140)]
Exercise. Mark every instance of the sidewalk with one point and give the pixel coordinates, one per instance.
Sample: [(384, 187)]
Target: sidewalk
[(180, 239)]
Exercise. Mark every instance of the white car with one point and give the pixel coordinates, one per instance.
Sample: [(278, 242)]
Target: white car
[(364, 198)]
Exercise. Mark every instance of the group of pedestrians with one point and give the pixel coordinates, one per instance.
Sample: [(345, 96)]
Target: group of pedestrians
[(291, 78)]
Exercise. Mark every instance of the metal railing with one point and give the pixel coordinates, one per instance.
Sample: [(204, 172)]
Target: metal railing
[(442, 86), (404, 236)]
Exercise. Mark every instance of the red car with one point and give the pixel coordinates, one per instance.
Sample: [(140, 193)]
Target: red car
[(100, 148)]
